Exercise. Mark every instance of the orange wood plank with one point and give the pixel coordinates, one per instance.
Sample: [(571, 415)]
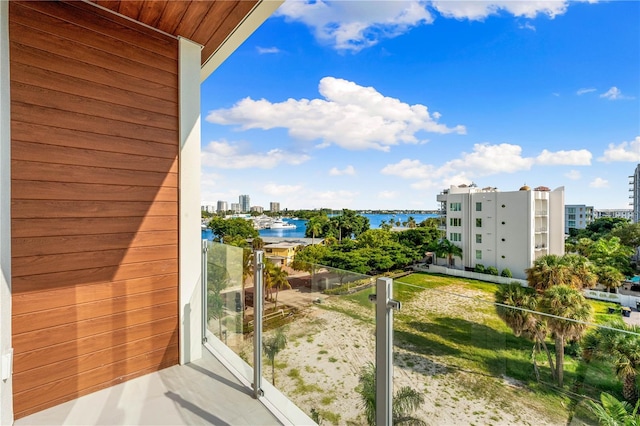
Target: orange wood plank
[(43, 227)]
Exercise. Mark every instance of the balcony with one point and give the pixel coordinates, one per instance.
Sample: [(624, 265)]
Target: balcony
[(315, 337)]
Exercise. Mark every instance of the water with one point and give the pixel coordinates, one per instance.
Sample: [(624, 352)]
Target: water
[(374, 222)]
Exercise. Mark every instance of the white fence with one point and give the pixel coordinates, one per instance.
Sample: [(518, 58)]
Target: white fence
[(622, 299), (436, 269)]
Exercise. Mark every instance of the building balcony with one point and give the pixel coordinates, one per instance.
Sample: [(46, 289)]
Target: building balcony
[(446, 343), (441, 197)]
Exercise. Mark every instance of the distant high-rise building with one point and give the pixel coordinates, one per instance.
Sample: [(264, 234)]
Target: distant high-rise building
[(222, 207), (577, 216), (235, 207), (274, 207), (634, 188), (257, 209), (503, 229), (208, 208), (245, 204)]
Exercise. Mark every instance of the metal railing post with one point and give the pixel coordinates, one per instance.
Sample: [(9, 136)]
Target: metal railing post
[(257, 322), (205, 249), (385, 305)]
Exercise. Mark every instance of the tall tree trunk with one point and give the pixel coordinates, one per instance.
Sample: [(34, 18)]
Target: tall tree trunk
[(629, 390), (560, 360), (548, 352), (273, 372), (536, 349)]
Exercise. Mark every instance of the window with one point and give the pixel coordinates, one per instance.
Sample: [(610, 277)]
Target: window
[(455, 236), (455, 207), (478, 238), (571, 210), (478, 206), (455, 221), (479, 254), (479, 222)]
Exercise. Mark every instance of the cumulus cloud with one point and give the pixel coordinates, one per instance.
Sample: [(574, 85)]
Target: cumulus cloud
[(355, 25), (585, 90), (349, 170), (225, 155), (614, 94), (484, 160), (350, 116), (573, 175), (267, 50), (599, 183), (581, 157), (626, 151)]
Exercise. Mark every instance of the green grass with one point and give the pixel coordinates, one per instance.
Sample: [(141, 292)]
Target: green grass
[(487, 347)]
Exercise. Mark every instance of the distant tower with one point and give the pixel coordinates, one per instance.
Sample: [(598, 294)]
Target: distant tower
[(274, 207), (222, 207), (634, 188), (245, 204)]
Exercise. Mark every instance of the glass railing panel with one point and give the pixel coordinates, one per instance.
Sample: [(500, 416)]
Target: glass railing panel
[(469, 360), (228, 301), (319, 333)]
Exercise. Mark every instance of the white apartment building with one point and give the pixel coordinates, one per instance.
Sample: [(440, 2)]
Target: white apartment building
[(503, 229), (634, 189), (222, 207), (245, 203), (617, 213), (274, 207), (235, 208), (577, 216)]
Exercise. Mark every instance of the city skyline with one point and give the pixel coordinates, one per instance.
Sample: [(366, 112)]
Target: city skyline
[(342, 105)]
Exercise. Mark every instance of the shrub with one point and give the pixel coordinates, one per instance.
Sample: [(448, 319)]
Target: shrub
[(479, 268), (506, 273), (492, 270)]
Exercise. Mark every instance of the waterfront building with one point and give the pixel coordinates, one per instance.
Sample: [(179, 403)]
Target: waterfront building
[(577, 216), (222, 207), (208, 208), (634, 189), (503, 229), (617, 213), (257, 209), (235, 208), (245, 203), (274, 207)]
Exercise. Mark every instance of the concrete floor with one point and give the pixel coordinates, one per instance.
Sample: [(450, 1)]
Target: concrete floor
[(201, 393)]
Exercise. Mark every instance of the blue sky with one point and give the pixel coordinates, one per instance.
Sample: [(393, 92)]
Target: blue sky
[(382, 105)]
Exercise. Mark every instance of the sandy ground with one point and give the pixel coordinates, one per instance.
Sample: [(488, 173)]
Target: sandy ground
[(326, 350)]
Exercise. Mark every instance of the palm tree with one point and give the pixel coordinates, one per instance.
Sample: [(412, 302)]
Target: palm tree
[(582, 271), (610, 277), (613, 412), (547, 271), (568, 313), (314, 226), (405, 401), (520, 303), (271, 347), (445, 247), (620, 343), (279, 280)]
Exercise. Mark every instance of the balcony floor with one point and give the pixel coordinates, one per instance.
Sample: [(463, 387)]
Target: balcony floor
[(199, 393)]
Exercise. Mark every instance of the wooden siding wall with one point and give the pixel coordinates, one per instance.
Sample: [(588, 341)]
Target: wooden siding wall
[(94, 125)]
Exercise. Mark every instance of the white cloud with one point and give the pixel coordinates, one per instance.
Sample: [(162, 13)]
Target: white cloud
[(355, 25), (527, 26), (484, 160), (585, 90), (573, 175), (614, 94), (224, 155), (626, 151), (266, 50), (349, 170), (478, 10), (350, 116), (387, 195), (581, 157), (275, 189), (599, 183)]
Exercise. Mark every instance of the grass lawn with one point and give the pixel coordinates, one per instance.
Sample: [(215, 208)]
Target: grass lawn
[(454, 321)]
